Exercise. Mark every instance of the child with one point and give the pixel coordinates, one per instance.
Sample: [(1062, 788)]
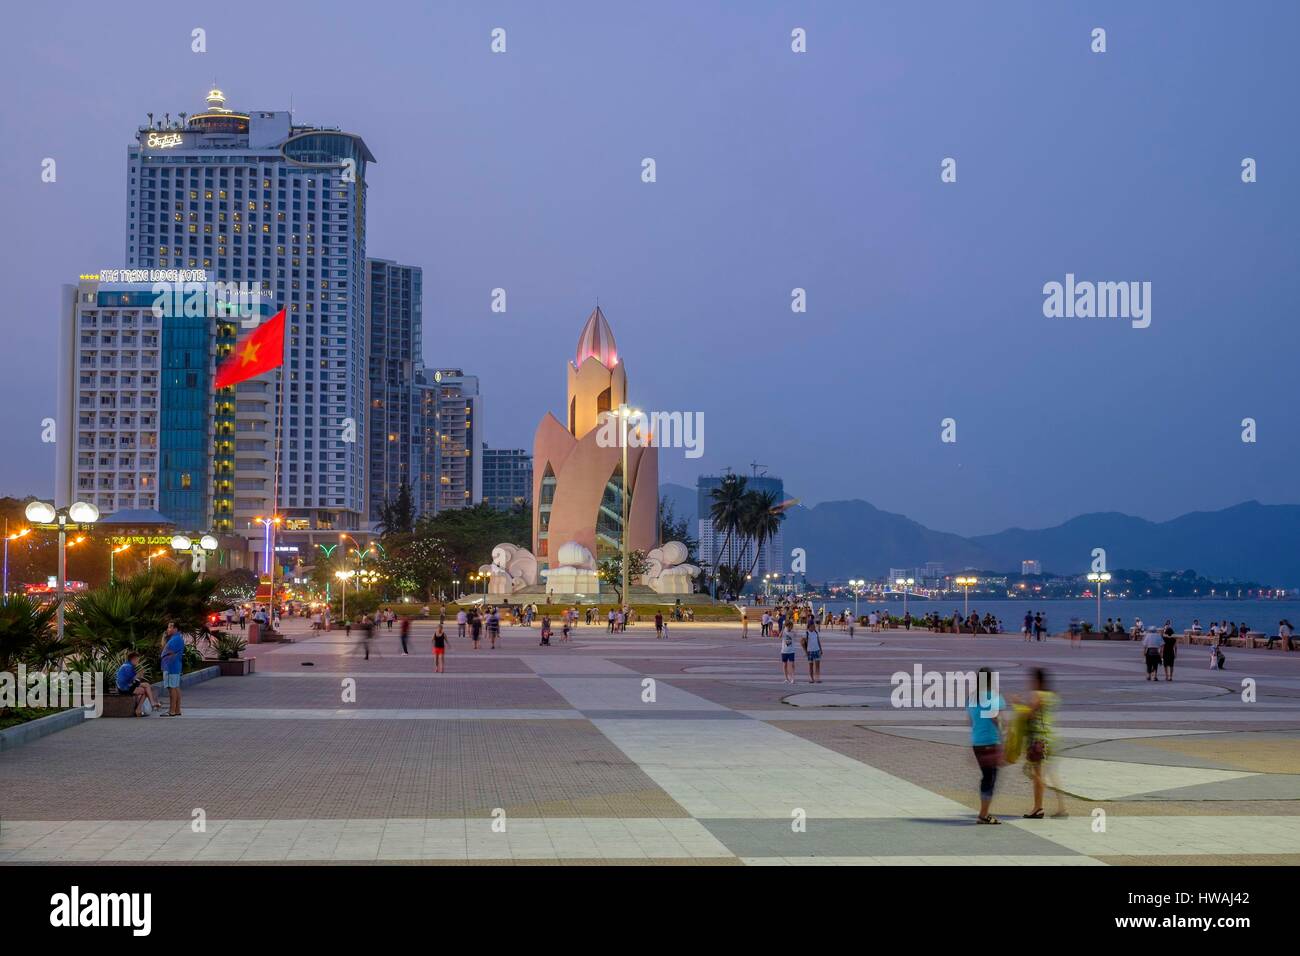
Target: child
[(1216, 657), (546, 631), (439, 649), (787, 655)]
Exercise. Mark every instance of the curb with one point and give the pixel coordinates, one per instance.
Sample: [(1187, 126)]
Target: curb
[(12, 737), (192, 678)]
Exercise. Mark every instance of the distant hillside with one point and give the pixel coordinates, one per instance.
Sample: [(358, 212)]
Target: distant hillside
[(683, 501), (844, 539), (1249, 541)]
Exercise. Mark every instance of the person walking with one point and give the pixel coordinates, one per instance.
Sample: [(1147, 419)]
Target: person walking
[(173, 657), (494, 628), (1040, 745), (405, 632), (243, 618), (787, 656), (475, 628), (1153, 646), (1028, 626), (439, 649), (659, 625), (744, 623), (986, 710), (812, 645), (1169, 651), (367, 633)]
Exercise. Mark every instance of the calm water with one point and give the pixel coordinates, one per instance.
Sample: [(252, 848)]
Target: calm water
[(1260, 615)]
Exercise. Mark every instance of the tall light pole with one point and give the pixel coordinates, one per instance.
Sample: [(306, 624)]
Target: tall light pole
[(148, 561), (112, 557), (857, 589), (966, 584), (77, 515), (905, 584), (11, 537), (343, 577), (624, 413), (1098, 579)]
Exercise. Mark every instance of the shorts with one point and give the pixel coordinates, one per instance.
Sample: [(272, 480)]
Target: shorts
[(814, 656), (439, 651), (787, 658), (171, 680)]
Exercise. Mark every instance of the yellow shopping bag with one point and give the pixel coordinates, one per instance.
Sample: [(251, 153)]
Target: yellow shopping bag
[(1016, 734)]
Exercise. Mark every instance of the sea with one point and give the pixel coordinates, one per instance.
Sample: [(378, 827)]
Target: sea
[(1260, 615)]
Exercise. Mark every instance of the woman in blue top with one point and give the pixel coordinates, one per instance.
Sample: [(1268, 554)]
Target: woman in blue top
[(985, 708)]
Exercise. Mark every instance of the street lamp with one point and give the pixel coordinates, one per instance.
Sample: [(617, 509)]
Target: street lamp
[(11, 537), (625, 413), (904, 583), (1099, 578), (112, 556), (455, 589), (77, 515), (857, 586), (344, 577), (148, 561), (966, 584)]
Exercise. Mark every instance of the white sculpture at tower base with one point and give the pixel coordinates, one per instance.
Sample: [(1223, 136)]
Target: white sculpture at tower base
[(512, 569), (575, 572), (667, 571)]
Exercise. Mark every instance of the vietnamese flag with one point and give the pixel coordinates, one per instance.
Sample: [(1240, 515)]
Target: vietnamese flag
[(260, 352)]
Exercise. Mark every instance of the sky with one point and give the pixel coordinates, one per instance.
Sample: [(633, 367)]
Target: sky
[(775, 170)]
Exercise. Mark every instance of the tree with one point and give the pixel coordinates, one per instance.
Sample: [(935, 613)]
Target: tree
[(398, 517), (761, 521), (25, 627), (672, 528), (468, 535), (725, 513), (415, 564), (133, 614), (237, 586), (611, 570)]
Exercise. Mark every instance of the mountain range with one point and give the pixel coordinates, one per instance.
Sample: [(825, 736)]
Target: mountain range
[(843, 539)]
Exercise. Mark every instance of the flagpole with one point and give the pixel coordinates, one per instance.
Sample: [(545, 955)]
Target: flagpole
[(275, 485)]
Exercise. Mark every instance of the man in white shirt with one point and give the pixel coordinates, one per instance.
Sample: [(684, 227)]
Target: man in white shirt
[(461, 619)]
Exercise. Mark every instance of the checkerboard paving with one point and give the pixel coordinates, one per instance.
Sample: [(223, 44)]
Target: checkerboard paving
[(623, 748)]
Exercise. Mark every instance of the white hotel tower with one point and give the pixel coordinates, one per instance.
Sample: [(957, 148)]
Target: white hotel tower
[(252, 197)]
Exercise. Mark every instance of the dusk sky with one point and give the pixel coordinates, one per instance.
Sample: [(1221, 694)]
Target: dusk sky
[(775, 170)]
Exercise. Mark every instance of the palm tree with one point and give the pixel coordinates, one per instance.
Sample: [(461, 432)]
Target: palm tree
[(25, 628), (133, 613), (762, 520), (726, 512)]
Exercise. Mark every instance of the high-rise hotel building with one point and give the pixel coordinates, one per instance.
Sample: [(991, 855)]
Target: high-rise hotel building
[(140, 426), (451, 436), (394, 309), (253, 197)]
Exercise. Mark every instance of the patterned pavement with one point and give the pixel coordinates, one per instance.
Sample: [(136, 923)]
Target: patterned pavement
[(625, 749)]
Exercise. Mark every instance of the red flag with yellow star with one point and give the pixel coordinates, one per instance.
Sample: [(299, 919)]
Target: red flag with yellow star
[(260, 352)]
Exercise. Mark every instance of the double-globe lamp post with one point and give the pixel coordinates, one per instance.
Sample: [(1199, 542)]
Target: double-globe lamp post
[(77, 516)]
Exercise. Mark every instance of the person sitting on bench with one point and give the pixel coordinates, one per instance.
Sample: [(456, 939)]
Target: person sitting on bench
[(129, 681)]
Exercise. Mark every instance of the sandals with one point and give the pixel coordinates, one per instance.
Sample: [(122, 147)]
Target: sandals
[(989, 819), (1036, 815)]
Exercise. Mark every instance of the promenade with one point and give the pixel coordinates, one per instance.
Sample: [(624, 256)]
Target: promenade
[(625, 749)]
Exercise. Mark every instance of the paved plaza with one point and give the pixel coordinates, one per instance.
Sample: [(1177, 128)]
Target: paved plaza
[(625, 749)]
